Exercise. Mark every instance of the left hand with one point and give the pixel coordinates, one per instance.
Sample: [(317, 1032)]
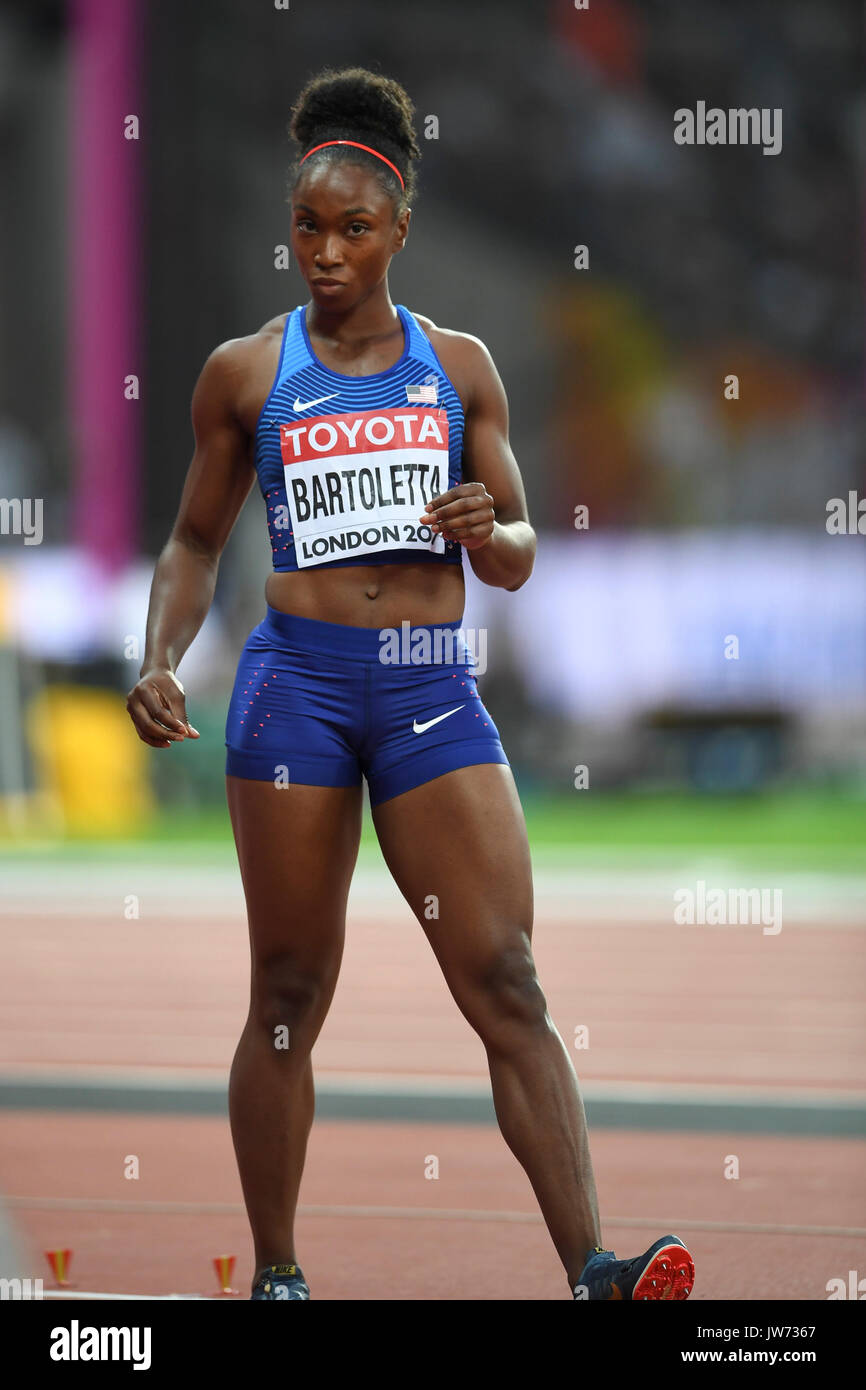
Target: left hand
[(464, 514)]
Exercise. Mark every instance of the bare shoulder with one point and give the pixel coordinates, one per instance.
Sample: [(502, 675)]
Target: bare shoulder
[(450, 341), (239, 353), (241, 370), (466, 359)]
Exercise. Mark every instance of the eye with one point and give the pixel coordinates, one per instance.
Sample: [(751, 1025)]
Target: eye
[(304, 224), (358, 227)]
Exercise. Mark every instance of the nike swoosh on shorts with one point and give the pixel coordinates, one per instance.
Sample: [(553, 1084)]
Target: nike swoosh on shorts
[(420, 728)]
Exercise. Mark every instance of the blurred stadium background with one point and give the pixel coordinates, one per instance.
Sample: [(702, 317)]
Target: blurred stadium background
[(124, 261)]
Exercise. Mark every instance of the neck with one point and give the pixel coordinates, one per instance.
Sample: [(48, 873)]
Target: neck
[(372, 317)]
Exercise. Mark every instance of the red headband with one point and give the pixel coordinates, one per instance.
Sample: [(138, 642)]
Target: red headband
[(357, 147)]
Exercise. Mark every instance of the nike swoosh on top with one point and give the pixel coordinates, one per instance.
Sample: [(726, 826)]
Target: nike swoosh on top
[(420, 728), (305, 405)]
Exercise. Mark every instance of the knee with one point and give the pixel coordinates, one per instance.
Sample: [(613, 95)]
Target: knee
[(505, 991), (285, 995)]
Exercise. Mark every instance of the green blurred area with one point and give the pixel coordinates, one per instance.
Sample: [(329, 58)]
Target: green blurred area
[(798, 829), (791, 827)]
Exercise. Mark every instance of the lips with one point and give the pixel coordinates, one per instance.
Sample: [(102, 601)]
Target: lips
[(327, 280)]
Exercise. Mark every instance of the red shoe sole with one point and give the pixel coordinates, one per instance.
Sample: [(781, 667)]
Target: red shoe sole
[(669, 1275)]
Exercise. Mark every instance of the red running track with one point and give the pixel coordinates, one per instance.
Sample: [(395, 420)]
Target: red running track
[(473, 1233), (662, 1003)]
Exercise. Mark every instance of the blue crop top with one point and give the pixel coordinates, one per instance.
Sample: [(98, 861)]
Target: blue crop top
[(347, 463)]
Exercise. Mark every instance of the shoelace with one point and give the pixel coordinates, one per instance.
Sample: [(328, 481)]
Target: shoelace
[(623, 1269), (268, 1279)]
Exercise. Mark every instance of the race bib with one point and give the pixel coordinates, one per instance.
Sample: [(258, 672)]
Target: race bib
[(358, 483)]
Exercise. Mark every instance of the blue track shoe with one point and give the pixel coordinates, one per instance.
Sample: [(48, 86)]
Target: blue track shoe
[(281, 1282), (666, 1271)]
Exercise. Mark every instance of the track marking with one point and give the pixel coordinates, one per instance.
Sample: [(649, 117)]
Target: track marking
[(424, 1214), (75, 1294)]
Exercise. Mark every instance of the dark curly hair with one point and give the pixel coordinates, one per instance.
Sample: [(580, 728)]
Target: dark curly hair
[(355, 104)]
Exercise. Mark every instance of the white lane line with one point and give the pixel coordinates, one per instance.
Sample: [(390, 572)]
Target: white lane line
[(119, 1297)]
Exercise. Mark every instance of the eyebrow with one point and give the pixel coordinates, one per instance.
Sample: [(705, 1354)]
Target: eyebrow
[(348, 212)]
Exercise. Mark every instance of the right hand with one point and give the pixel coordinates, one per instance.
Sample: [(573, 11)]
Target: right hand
[(157, 708)]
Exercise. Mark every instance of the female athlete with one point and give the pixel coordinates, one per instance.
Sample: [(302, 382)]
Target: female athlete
[(380, 444)]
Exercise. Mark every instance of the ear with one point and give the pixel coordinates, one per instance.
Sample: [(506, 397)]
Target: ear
[(401, 230)]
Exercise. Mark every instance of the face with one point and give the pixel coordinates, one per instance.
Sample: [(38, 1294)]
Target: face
[(344, 231)]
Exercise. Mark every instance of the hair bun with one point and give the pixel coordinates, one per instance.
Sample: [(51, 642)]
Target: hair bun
[(356, 104)]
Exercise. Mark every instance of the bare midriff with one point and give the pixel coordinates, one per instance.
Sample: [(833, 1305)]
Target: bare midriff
[(371, 595)]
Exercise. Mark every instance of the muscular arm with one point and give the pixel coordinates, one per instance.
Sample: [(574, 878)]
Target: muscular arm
[(487, 513), (217, 485)]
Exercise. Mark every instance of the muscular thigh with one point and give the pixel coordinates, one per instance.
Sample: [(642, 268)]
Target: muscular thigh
[(458, 850), (297, 847)]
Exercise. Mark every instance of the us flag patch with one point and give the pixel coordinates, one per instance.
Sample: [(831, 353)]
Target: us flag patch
[(426, 394)]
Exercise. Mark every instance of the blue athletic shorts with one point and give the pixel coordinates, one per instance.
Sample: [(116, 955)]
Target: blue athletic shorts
[(321, 704)]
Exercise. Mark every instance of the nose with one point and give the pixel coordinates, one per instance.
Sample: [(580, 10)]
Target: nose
[(329, 254)]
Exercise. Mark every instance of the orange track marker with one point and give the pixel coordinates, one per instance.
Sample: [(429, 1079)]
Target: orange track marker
[(224, 1266), (59, 1262)]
